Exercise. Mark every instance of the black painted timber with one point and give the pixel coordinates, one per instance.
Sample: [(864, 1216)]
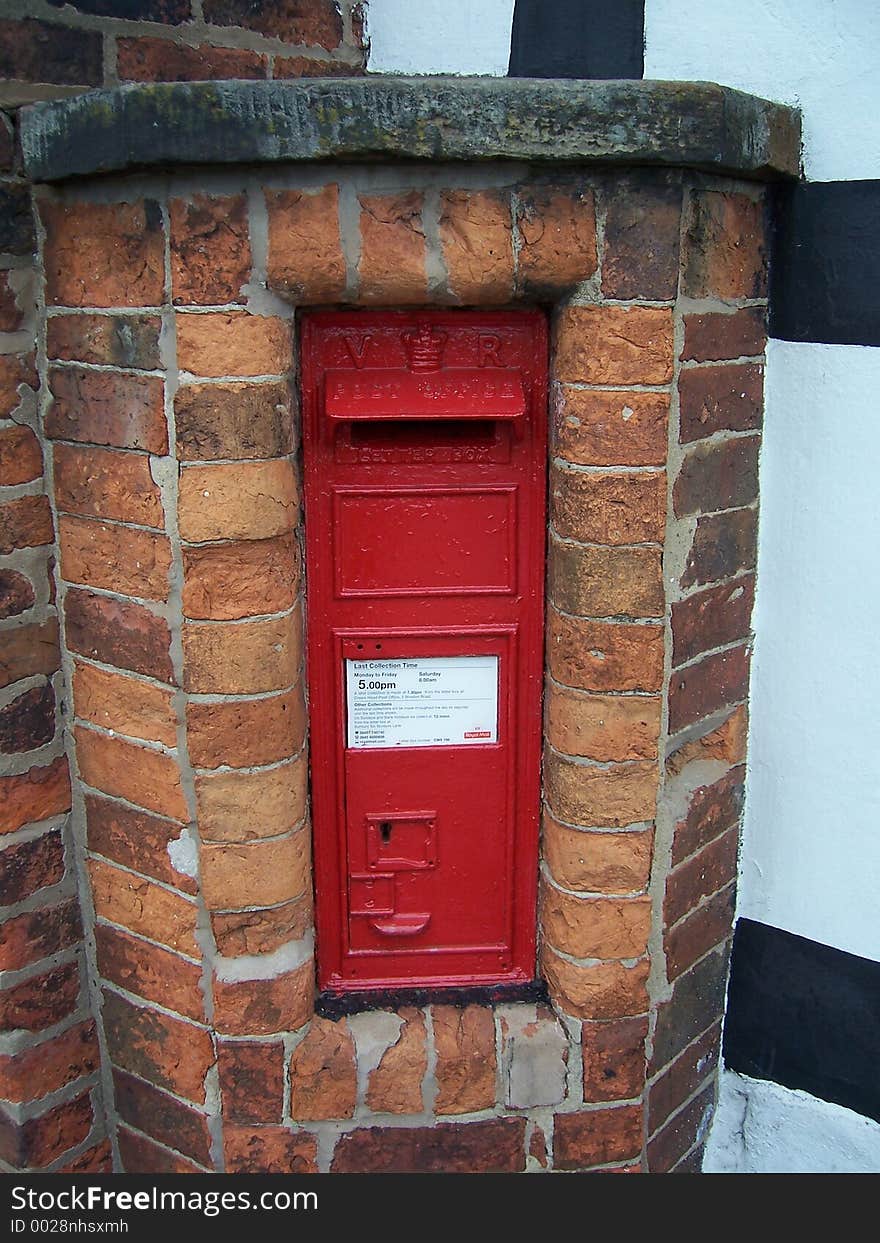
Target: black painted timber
[(578, 39)]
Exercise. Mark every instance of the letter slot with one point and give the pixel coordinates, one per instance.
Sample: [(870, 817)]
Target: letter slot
[(424, 439)]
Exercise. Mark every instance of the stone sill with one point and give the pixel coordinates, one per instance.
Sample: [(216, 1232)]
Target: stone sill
[(695, 125)]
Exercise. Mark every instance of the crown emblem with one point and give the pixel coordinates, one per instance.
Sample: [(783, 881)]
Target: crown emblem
[(425, 348)]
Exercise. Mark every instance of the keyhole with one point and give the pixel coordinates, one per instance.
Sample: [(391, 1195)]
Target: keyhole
[(385, 830)]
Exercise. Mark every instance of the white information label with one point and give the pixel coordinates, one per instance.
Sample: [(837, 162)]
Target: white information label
[(435, 701)]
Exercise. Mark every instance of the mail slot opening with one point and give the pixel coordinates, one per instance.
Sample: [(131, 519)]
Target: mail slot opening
[(425, 461)]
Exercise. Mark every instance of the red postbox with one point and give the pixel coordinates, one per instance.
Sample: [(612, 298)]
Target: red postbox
[(425, 451)]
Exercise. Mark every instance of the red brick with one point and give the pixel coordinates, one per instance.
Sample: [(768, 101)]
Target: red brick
[(16, 594), (694, 936), (614, 345), (593, 581), (223, 582), (103, 483), (668, 1146), (604, 656), (40, 1001), (12, 316), (210, 249), (597, 1137), (35, 795), (246, 732), (28, 721), (602, 427), (702, 688), (714, 336), (263, 1007), (96, 1160), (124, 705), (28, 866), (696, 1003), (642, 225), (476, 237), (724, 544), (392, 262), (305, 247), (716, 399), (117, 558), (725, 253), (20, 458), (557, 235), (46, 1067), (496, 1146), (711, 809), (317, 23), (141, 1156), (712, 618), (705, 873), (269, 1150), (251, 1080), (150, 972), (29, 650), (160, 60), (45, 1138), (135, 840), (25, 523), (103, 254), (323, 1073), (118, 632), (107, 408), (35, 51), (608, 508), (110, 340), (140, 775), (237, 420), (307, 67), (167, 1052), (614, 1059), (162, 1117), (682, 1077), (38, 934), (16, 371), (148, 909), (717, 476)]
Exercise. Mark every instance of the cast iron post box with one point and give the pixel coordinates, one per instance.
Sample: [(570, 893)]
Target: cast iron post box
[(425, 451)]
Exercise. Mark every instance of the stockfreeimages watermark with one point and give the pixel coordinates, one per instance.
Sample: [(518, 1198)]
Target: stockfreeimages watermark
[(96, 1199)]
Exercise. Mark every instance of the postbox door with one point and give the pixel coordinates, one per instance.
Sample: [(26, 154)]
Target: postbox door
[(424, 447)]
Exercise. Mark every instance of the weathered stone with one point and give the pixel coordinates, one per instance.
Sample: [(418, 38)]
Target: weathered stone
[(597, 862), (240, 420), (305, 247), (465, 1044), (477, 242), (495, 1146), (111, 340), (395, 1086), (557, 235), (604, 656), (604, 427), (107, 408), (534, 1057), (210, 249), (323, 1076)]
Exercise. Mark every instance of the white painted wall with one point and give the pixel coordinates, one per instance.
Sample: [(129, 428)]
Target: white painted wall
[(453, 37), (823, 55)]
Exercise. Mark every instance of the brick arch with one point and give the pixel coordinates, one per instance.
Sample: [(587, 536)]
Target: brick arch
[(182, 596)]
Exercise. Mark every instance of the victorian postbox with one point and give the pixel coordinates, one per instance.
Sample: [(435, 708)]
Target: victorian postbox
[(425, 452)]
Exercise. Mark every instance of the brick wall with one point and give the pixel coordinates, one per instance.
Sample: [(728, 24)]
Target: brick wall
[(182, 606)]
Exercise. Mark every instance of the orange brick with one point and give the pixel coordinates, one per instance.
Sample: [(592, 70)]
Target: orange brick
[(35, 795), (238, 807), (258, 873), (246, 732), (597, 1138), (21, 459), (245, 500), (594, 795), (614, 1059), (597, 862), (228, 581), (242, 657), (614, 345), (117, 558), (262, 932), (233, 343), (323, 1075), (595, 927), (392, 263), (171, 1053), (144, 907), (465, 1043), (263, 1007), (602, 727), (604, 656), (725, 254), (305, 249), (104, 483), (150, 972), (210, 248), (395, 1086), (608, 508), (148, 778), (593, 581), (107, 408), (124, 705), (25, 523), (557, 232), (605, 990), (610, 428), (104, 254), (477, 241)]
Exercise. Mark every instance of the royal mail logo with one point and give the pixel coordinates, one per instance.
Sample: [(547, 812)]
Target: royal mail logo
[(425, 347), (478, 733)]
